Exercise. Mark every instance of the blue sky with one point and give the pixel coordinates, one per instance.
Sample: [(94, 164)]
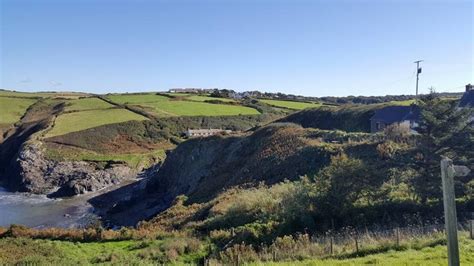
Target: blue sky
[(316, 48)]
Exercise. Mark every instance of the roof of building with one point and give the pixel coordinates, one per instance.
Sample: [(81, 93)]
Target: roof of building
[(467, 99), (392, 114)]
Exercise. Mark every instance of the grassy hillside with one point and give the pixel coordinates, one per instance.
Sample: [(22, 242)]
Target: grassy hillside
[(188, 250), (84, 104), (77, 121), (189, 108), (270, 155), (145, 252), (403, 103), (186, 105), (273, 195), (82, 112), (351, 118), (430, 255), (137, 142), (134, 159), (291, 104), (137, 98), (200, 98), (65, 95), (12, 109)]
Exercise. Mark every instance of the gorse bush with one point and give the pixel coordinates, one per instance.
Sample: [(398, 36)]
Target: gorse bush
[(260, 213), (398, 132)]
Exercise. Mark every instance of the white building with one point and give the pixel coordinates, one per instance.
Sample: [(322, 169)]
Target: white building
[(190, 133)]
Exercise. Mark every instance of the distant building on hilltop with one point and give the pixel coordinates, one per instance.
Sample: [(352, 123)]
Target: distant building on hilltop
[(190, 133), (409, 115), (190, 90), (467, 99)]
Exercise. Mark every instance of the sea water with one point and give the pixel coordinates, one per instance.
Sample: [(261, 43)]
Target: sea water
[(39, 211)]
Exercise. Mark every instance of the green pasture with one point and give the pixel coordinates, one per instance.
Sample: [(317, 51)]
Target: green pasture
[(429, 255), (179, 94), (190, 105), (23, 251), (77, 121), (69, 95), (403, 103), (87, 104), (200, 98), (12, 109), (134, 160), (188, 108), (137, 98), (291, 104)]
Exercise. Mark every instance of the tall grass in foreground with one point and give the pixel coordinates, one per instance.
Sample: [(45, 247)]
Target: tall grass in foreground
[(143, 246), (343, 245)]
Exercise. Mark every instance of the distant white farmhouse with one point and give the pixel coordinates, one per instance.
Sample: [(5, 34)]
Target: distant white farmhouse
[(191, 133)]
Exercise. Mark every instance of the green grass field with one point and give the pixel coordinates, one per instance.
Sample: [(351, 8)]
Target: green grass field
[(77, 121), (87, 104), (291, 104), (12, 109), (133, 160), (402, 103), (69, 95), (178, 94), (180, 251), (188, 108), (200, 98), (191, 105), (91, 112), (436, 255), (137, 98), (147, 252)]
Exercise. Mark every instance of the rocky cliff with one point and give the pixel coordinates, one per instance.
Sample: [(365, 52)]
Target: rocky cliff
[(31, 172), (23, 166)]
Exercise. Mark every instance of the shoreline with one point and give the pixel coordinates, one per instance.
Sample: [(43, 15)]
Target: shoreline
[(40, 211)]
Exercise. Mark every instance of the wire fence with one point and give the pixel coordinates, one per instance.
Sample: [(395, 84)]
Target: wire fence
[(345, 243)]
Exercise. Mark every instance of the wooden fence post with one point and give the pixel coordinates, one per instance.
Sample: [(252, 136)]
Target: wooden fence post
[(471, 228), (397, 233), (357, 244), (331, 242), (448, 172)]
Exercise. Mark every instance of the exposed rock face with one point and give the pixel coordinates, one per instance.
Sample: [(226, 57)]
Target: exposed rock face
[(23, 167), (31, 172)]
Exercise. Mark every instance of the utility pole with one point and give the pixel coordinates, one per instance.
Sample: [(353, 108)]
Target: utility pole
[(418, 72)]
